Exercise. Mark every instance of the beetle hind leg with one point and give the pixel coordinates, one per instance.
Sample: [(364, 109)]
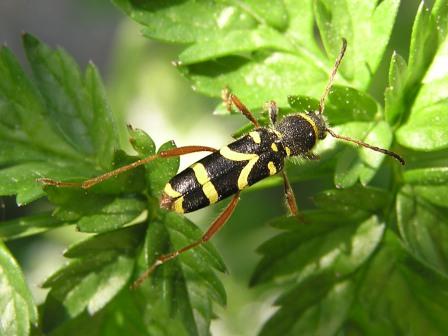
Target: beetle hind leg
[(98, 179), (212, 230), (289, 196)]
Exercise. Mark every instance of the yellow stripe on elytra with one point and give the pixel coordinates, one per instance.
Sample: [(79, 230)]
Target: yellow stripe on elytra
[(178, 205), (244, 175), (274, 147), (235, 156), (272, 168), (171, 192), (277, 133), (288, 151), (200, 173), (210, 191), (255, 136), (313, 124)]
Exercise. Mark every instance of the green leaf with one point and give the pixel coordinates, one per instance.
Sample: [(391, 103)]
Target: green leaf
[(16, 303), (271, 13), (187, 283), (300, 27), (21, 180), (93, 212), (113, 216), (404, 296), (364, 24), (57, 77), (424, 41), (423, 230), (344, 104), (124, 240), (355, 198), (361, 163), (437, 195), (15, 152), (103, 128), (236, 42), (109, 321), (340, 246), (426, 176), (159, 171), (393, 100), (197, 261), (28, 225), (90, 283), (188, 21), (141, 142), (259, 56), (440, 11), (425, 129), (76, 106), (428, 33), (321, 309), (266, 76), (391, 287), (23, 102), (58, 126)]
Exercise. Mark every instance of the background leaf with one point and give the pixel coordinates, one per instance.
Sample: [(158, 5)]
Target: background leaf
[(363, 24), (16, 303), (352, 166), (423, 229), (425, 129)]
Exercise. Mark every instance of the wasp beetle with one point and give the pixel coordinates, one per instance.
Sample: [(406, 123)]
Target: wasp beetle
[(229, 170)]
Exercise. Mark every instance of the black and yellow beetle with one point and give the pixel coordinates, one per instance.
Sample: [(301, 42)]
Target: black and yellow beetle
[(227, 171)]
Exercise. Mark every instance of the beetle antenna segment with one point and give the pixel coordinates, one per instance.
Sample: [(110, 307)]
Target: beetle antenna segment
[(332, 76), (363, 144)]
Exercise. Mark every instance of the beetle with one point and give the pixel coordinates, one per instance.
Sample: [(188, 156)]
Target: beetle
[(227, 171)]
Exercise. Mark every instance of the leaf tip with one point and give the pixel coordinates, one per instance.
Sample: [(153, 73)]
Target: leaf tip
[(29, 40)]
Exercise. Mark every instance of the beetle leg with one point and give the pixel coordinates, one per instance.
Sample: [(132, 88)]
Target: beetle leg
[(98, 179), (216, 225), (289, 195), (311, 156)]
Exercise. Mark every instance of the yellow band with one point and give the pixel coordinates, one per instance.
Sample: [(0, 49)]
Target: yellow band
[(313, 124), (210, 191), (255, 136), (244, 175), (272, 168), (235, 156), (177, 205), (200, 173), (171, 192)]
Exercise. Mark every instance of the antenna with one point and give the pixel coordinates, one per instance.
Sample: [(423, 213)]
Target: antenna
[(322, 106), (332, 75), (363, 144)]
